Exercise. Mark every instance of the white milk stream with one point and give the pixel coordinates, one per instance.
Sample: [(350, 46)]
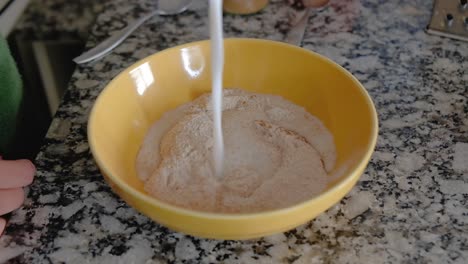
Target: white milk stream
[(217, 64)]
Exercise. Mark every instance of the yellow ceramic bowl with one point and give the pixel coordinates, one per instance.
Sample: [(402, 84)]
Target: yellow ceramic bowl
[(138, 96)]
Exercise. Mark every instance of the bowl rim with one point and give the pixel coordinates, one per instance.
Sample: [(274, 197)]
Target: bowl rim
[(340, 184)]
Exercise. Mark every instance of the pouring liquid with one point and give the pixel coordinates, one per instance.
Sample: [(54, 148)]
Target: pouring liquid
[(217, 64)]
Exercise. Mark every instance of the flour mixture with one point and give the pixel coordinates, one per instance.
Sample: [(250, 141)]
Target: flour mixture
[(276, 155)]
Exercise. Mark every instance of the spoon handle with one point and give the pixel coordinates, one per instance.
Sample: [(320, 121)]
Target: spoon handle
[(113, 41), (296, 33)]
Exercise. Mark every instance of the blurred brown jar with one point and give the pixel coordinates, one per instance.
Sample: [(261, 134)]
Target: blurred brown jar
[(244, 6)]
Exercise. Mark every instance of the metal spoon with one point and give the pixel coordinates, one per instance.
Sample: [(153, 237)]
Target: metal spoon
[(299, 23), (300, 19), (165, 8)]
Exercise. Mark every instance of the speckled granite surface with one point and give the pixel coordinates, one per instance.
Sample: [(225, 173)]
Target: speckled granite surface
[(409, 206), (53, 19)]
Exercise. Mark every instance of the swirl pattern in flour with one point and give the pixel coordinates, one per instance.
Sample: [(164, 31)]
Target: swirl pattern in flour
[(276, 155)]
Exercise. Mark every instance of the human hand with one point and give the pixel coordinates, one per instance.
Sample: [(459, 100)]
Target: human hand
[(14, 175)]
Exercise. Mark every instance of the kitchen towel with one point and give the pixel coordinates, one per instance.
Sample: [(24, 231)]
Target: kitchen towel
[(10, 95)]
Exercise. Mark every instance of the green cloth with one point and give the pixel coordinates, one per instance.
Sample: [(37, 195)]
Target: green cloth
[(10, 95)]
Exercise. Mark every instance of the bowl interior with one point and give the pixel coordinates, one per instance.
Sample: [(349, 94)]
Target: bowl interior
[(141, 94)]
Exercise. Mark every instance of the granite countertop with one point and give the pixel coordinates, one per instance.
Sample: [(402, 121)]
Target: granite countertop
[(58, 19), (410, 205)]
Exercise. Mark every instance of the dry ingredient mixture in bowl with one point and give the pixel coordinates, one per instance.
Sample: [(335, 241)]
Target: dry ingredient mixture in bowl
[(276, 155)]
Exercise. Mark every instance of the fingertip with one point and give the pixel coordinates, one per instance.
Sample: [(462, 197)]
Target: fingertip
[(19, 197), (11, 200), (16, 173), (2, 225), (30, 171)]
